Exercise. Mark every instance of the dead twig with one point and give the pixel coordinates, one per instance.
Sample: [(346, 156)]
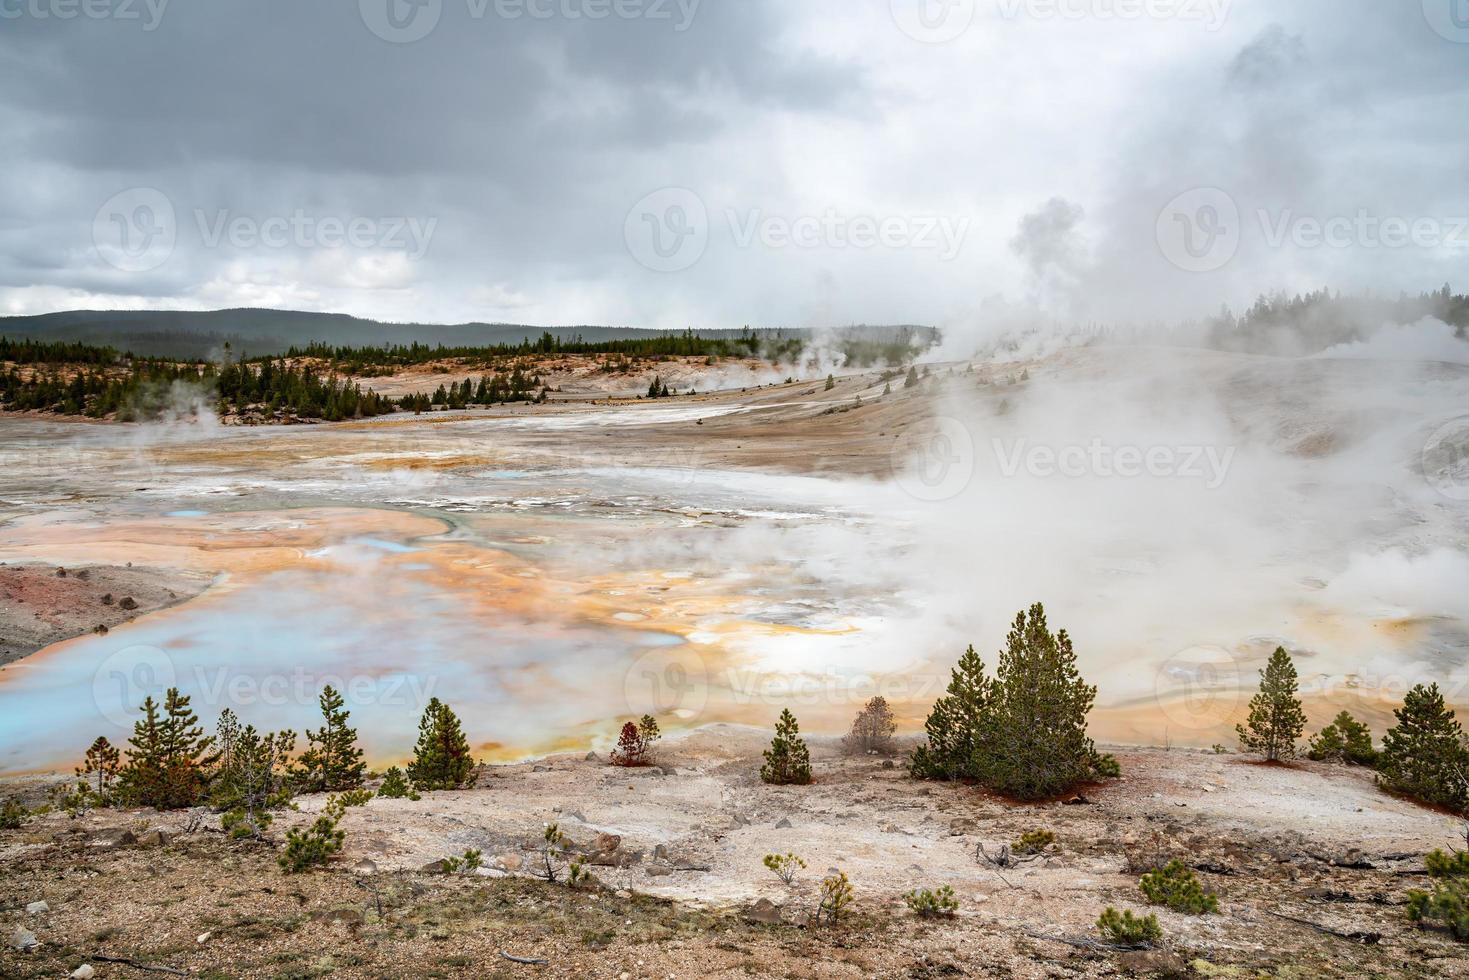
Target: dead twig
[(136, 965), (522, 959)]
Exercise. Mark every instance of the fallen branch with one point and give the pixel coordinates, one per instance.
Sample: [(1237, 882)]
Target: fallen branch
[(148, 967), (1363, 938), (522, 959), (1089, 944)]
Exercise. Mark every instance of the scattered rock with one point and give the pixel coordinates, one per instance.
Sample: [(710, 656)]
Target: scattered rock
[(540, 768), (591, 757), (112, 839), (510, 862), (107, 600), (668, 770), (622, 893), (659, 869), (887, 764), (575, 815), (660, 852), (366, 866), (606, 843), (36, 908), (127, 602), (960, 826), (23, 939), (153, 838), (203, 938), (783, 824), (83, 972), (764, 912), (439, 867)]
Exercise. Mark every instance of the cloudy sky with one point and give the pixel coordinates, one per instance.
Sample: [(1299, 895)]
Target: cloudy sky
[(725, 162)]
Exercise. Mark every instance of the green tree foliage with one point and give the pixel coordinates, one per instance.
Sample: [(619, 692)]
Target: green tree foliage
[(955, 725), (1448, 903), (1035, 742), (1125, 929), (100, 767), (912, 379), (1022, 733), (169, 759), (873, 728), (933, 904), (316, 844), (1178, 888), (395, 786), (441, 757), (1424, 754), (332, 761), (252, 778), (787, 761), (831, 382), (1276, 718), (1344, 740)]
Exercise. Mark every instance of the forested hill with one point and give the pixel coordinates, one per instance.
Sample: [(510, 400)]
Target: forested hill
[(262, 332)]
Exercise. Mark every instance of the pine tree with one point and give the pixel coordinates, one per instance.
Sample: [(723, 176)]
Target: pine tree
[(954, 726), (101, 763), (629, 749), (1276, 718), (254, 780), (1424, 754), (872, 729), (649, 735), (168, 762), (912, 378), (441, 757), (787, 761), (1344, 740), (1034, 741), (831, 382), (395, 786), (332, 761)]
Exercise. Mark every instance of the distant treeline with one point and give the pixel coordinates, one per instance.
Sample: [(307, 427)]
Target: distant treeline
[(1314, 321)]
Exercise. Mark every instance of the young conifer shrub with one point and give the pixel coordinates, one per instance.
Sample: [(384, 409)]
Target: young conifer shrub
[(1276, 718), (252, 779), (13, 816), (1345, 740), (395, 786), (332, 761), (1176, 887), (785, 867), (441, 757), (933, 904), (1424, 754), (1125, 929), (316, 844), (99, 769), (835, 900), (787, 761), (1448, 903), (1033, 842)]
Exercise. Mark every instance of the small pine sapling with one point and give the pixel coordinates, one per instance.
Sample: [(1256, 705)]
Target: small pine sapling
[(1276, 718), (1448, 903), (395, 786), (933, 904), (316, 844), (1033, 842), (1345, 740), (787, 761), (1176, 887), (101, 766), (1125, 929)]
